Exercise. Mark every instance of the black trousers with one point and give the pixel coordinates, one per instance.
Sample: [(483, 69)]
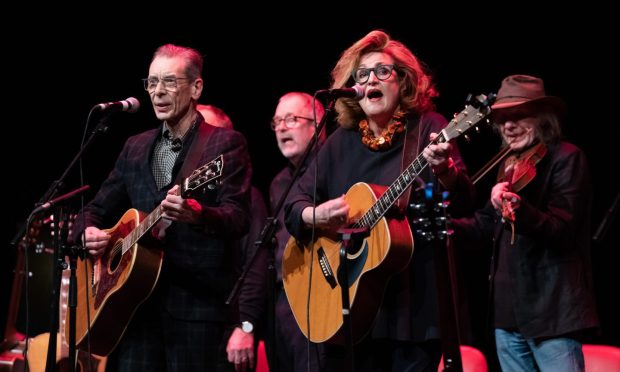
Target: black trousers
[(155, 341)]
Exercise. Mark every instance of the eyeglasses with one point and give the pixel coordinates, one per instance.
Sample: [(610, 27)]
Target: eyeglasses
[(170, 83), (382, 72), (289, 121)]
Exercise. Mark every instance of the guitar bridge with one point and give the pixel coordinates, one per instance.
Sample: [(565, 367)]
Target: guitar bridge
[(326, 268)]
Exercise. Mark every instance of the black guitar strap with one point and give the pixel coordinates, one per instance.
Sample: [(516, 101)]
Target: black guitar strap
[(195, 151), (410, 152)]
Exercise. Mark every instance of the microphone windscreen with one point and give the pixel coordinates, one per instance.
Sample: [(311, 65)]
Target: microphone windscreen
[(134, 104)]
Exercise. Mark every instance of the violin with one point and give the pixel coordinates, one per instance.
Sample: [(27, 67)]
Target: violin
[(519, 170)]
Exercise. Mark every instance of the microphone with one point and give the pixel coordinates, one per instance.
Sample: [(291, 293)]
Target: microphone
[(130, 105), (57, 200), (355, 92)]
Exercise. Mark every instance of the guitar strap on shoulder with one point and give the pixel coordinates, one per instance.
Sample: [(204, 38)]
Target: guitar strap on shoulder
[(195, 151), (410, 152)]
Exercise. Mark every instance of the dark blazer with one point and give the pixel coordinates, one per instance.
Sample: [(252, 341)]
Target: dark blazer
[(198, 260), (547, 274)]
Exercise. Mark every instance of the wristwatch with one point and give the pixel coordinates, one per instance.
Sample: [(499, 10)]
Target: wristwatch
[(247, 326)]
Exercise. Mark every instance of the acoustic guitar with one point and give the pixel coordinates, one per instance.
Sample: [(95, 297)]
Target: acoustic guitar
[(386, 251), (38, 346), (126, 274)]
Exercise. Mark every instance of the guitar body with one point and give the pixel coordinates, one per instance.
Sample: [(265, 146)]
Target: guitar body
[(385, 252), (117, 284), (37, 356)]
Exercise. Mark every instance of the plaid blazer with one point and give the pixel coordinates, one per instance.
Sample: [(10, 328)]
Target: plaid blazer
[(198, 260)]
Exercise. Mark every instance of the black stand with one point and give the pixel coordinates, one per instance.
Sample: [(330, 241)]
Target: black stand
[(433, 227), (60, 238), (60, 234), (351, 238), (601, 231), (266, 241), (73, 253), (61, 249)]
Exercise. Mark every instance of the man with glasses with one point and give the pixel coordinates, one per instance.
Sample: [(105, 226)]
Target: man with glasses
[(240, 337), (294, 127), (180, 326)]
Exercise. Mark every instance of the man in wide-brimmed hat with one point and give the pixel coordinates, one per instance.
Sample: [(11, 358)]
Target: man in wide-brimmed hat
[(541, 277), (520, 100)]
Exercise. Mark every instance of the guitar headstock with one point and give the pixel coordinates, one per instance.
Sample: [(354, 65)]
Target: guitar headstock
[(203, 177), (476, 109)]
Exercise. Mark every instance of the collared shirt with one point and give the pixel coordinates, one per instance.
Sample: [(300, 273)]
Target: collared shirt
[(164, 156)]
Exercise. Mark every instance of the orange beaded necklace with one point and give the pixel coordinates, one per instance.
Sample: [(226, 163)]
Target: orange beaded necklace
[(384, 141)]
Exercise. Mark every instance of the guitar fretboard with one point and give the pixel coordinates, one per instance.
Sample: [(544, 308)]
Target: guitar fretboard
[(396, 189), (462, 122), (199, 178), (143, 227)]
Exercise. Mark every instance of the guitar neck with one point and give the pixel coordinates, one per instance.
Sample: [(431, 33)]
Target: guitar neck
[(396, 189), (142, 228), (201, 177)]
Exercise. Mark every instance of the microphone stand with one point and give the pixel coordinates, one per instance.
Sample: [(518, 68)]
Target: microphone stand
[(266, 240), (601, 231), (351, 239), (59, 183), (59, 243), (61, 231)]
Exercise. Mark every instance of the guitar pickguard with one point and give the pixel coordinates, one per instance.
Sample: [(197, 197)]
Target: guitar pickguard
[(355, 263)]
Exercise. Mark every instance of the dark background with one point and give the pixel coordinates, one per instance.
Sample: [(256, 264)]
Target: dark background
[(60, 67)]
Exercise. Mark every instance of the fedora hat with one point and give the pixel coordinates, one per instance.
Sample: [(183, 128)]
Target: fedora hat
[(519, 89)]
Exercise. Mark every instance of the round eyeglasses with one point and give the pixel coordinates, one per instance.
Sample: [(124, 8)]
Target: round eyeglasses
[(382, 72), (170, 83), (289, 121)]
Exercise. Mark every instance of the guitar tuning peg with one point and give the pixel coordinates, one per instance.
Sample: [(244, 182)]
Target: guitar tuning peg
[(477, 128), (467, 138)]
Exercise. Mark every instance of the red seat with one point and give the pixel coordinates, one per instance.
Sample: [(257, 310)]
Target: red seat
[(473, 360), (261, 358), (601, 358)]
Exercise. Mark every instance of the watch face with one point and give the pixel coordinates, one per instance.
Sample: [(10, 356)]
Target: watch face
[(247, 327)]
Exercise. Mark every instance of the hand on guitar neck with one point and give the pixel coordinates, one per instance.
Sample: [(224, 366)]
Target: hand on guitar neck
[(437, 154), (174, 208)]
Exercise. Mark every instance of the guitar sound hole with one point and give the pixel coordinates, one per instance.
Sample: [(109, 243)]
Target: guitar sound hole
[(116, 257)]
